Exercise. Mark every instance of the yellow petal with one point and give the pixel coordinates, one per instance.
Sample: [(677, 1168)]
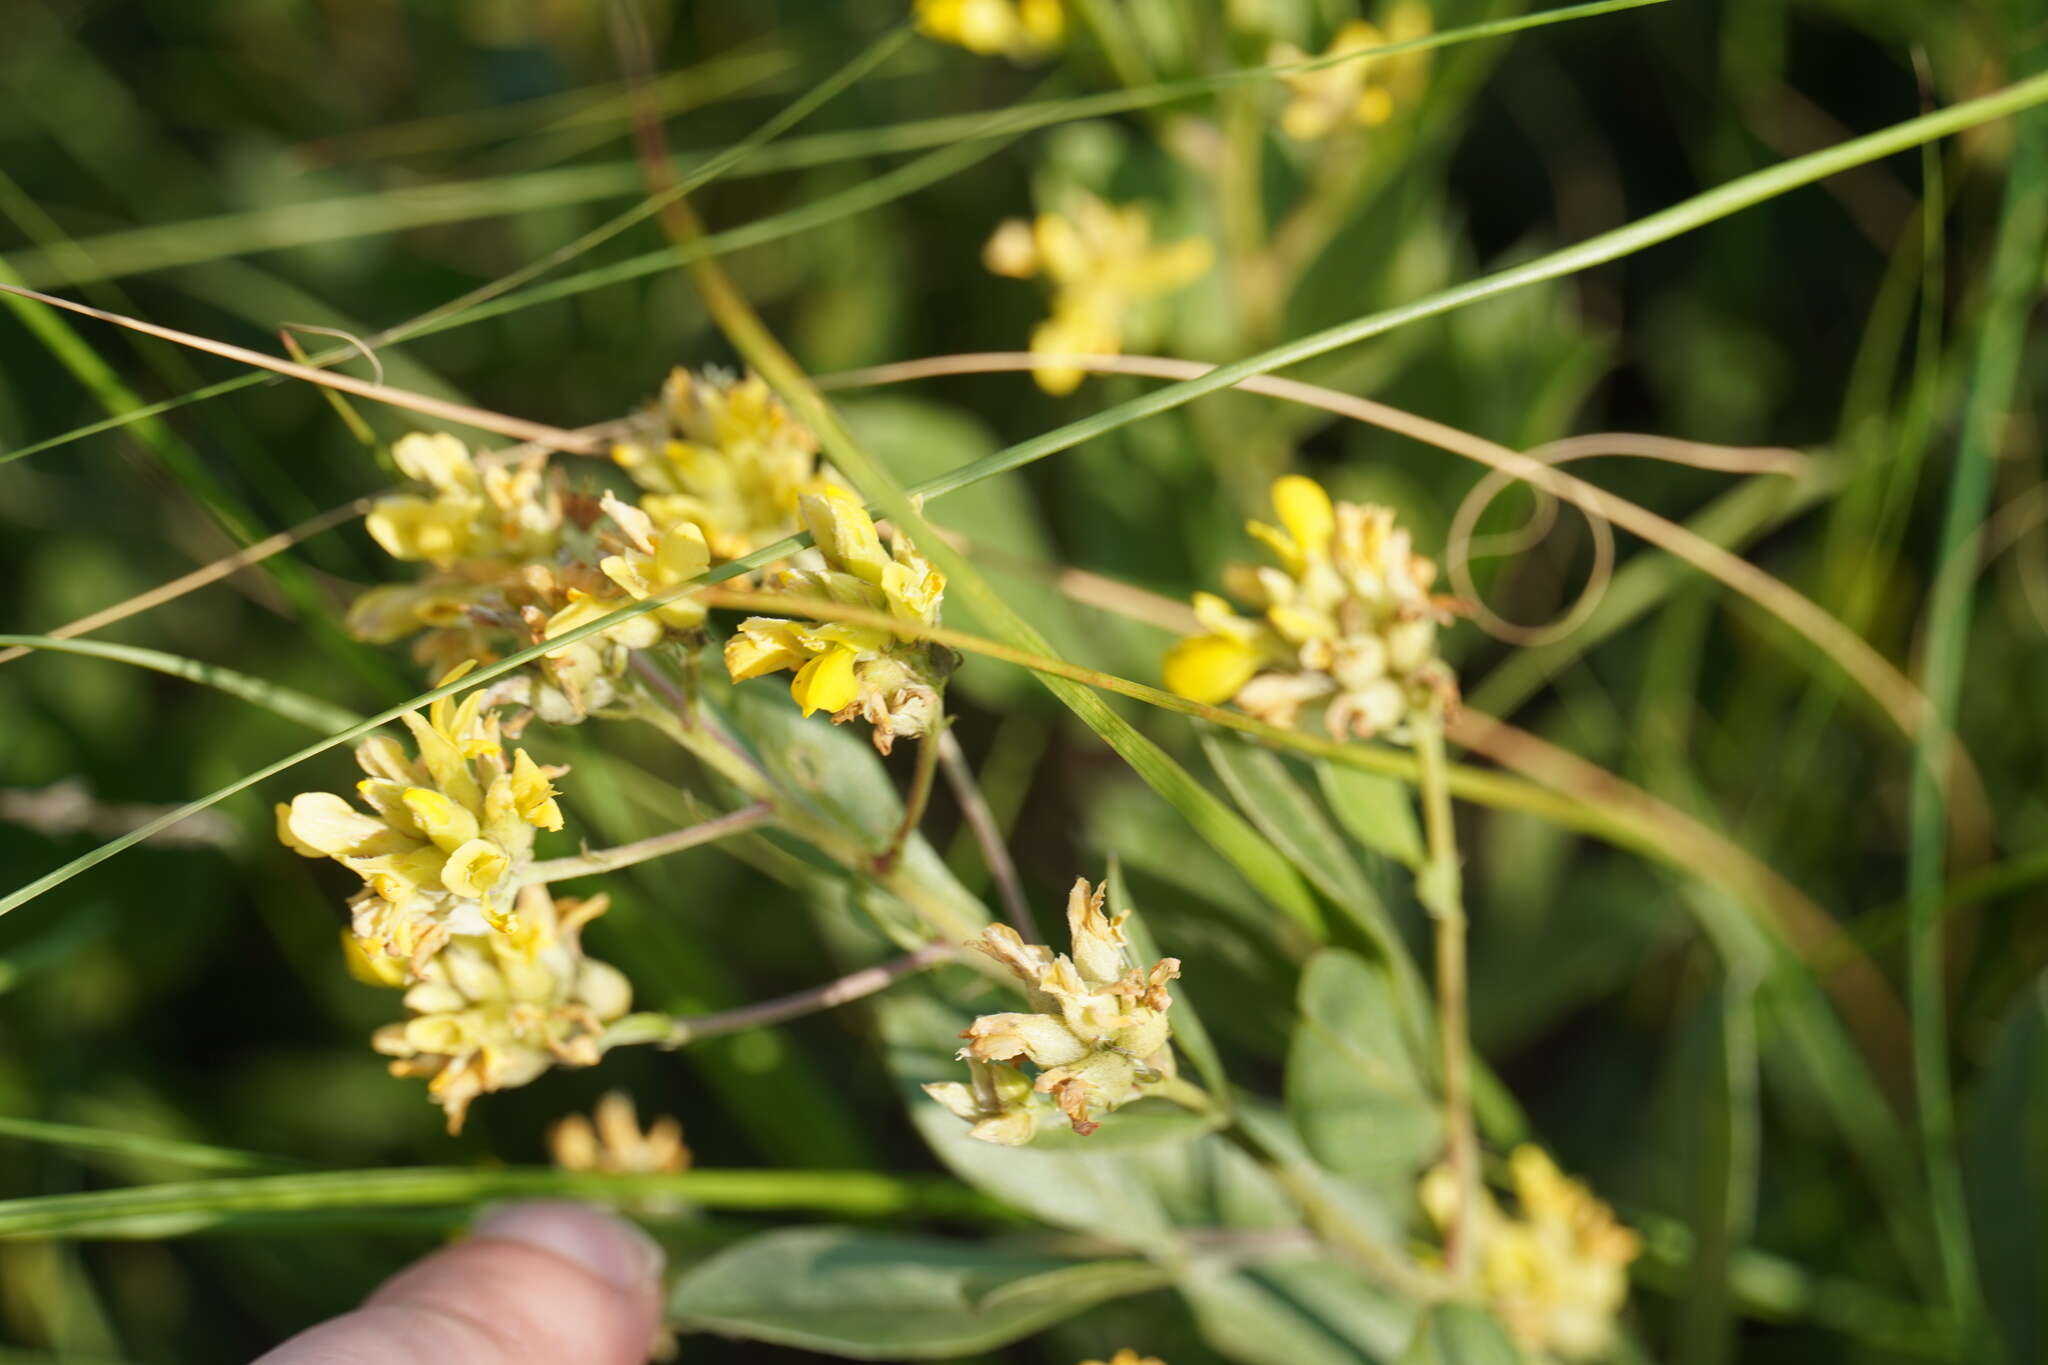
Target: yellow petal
[(449, 825), (1209, 668), (1305, 510), (438, 459), (763, 645), (826, 683), (475, 868), (533, 794), (372, 969), (682, 554), (844, 531), (1012, 250)]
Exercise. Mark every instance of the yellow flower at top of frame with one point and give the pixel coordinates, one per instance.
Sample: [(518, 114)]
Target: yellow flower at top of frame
[(1103, 266), (1366, 92), (1022, 30)]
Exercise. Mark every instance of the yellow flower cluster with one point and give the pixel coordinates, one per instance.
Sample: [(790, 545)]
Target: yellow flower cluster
[(492, 536), (891, 679), (491, 1012), (1102, 265), (1097, 1034), (1022, 30), (1127, 1357), (611, 1140), (449, 834), (1346, 618), (515, 558), (1364, 93), (1558, 1274), (723, 454), (496, 980)]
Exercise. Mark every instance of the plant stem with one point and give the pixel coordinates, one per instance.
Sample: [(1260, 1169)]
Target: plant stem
[(919, 796), (1440, 888), (981, 821), (667, 1031), (641, 850)]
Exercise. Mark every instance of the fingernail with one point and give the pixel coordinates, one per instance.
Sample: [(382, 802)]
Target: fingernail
[(610, 1248)]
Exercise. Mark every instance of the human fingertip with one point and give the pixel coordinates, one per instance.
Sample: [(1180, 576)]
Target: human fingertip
[(603, 1244)]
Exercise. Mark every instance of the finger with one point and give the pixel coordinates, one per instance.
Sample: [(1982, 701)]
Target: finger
[(544, 1283)]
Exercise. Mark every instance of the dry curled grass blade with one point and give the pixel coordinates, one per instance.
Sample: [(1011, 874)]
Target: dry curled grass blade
[(220, 568), (553, 438), (1875, 675), (1462, 546)]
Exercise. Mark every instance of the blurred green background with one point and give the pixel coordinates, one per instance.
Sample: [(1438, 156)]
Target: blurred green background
[(225, 167)]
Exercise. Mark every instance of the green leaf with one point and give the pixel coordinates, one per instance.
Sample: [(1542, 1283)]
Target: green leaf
[(1374, 809), (1459, 1334), (2007, 1175), (1296, 1312), (1356, 1089), (1262, 787), (880, 1296)]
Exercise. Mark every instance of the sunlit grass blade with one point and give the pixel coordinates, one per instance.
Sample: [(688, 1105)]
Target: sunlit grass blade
[(136, 250), (147, 1146), (284, 701), (1999, 346), (185, 1207), (443, 314)]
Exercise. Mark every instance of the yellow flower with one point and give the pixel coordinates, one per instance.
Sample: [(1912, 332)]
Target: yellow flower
[(853, 670), (490, 1013), (450, 831), (1097, 1032), (1127, 1357), (1345, 620), (1557, 1275), (1103, 267), (498, 540), (1366, 92), (1022, 30), (724, 455), (657, 559), (611, 1140), (493, 512)]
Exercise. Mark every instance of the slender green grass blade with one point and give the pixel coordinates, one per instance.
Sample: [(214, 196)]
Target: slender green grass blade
[(292, 705), (76, 1137), (2000, 343), (168, 245), (182, 1207)]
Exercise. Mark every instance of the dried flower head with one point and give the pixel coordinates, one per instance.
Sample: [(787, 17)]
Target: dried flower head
[(450, 833), (612, 1141), (724, 455), (1557, 1275), (891, 679), (1097, 1033), (1103, 267), (1022, 30), (492, 1012), (1346, 618), (1365, 93)]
